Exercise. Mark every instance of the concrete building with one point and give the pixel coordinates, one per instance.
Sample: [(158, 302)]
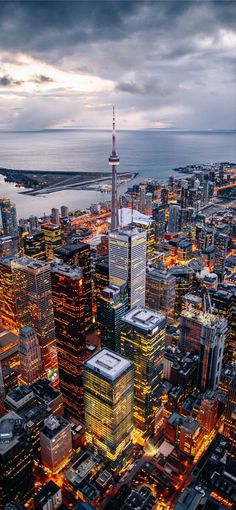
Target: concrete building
[(56, 443)]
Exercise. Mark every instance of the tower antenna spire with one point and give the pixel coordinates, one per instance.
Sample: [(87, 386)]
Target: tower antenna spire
[(114, 160)]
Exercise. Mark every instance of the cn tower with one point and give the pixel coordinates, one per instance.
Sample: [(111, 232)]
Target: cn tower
[(114, 160)]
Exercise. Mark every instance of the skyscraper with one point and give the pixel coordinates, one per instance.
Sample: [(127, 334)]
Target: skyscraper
[(142, 341), (114, 161), (33, 291), (204, 333), (111, 306), (108, 395), (127, 263), (221, 245), (34, 245), (56, 443), (16, 467), (174, 218), (8, 312), (30, 355), (53, 239), (69, 313), (223, 302), (158, 213), (55, 216), (79, 254), (160, 291), (8, 218), (230, 419)]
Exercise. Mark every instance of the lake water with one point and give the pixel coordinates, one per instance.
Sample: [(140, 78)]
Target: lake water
[(152, 153)]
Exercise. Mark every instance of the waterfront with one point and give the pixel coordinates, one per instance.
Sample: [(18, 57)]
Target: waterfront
[(152, 153)]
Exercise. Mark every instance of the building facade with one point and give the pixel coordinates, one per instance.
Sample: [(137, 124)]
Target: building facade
[(142, 341), (127, 263), (69, 314), (108, 394), (33, 291)]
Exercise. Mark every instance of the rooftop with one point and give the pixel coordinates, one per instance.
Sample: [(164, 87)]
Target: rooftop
[(205, 318), (108, 364), (127, 232), (31, 263), (71, 249), (67, 270), (43, 389), (11, 427), (53, 425), (149, 321)]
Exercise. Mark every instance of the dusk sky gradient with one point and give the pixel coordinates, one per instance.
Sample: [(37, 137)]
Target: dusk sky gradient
[(164, 64)]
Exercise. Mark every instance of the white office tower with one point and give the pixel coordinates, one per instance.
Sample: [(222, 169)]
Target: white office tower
[(30, 355), (127, 263), (56, 443)]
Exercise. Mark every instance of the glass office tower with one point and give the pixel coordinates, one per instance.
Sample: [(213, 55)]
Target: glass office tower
[(69, 313), (108, 397), (127, 262), (33, 291), (142, 341)]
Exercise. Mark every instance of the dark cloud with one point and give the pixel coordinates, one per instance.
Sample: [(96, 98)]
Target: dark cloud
[(41, 78), (7, 81), (167, 57), (148, 86)]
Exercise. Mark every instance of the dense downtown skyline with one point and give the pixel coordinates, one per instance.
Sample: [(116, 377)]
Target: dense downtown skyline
[(164, 64), (117, 255)]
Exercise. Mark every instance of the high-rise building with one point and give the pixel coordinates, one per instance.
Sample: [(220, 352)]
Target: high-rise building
[(158, 213), (183, 285), (205, 237), (30, 355), (34, 245), (174, 218), (204, 333), (127, 263), (108, 395), (114, 161), (160, 291), (56, 443), (79, 254), (142, 341), (33, 291), (221, 245), (101, 275), (207, 414), (69, 313), (8, 246), (64, 211), (230, 420), (55, 216), (16, 468), (8, 218), (111, 306), (223, 303), (148, 225), (8, 312), (53, 239)]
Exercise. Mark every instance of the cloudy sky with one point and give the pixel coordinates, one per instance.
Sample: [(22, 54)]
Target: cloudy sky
[(164, 64)]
